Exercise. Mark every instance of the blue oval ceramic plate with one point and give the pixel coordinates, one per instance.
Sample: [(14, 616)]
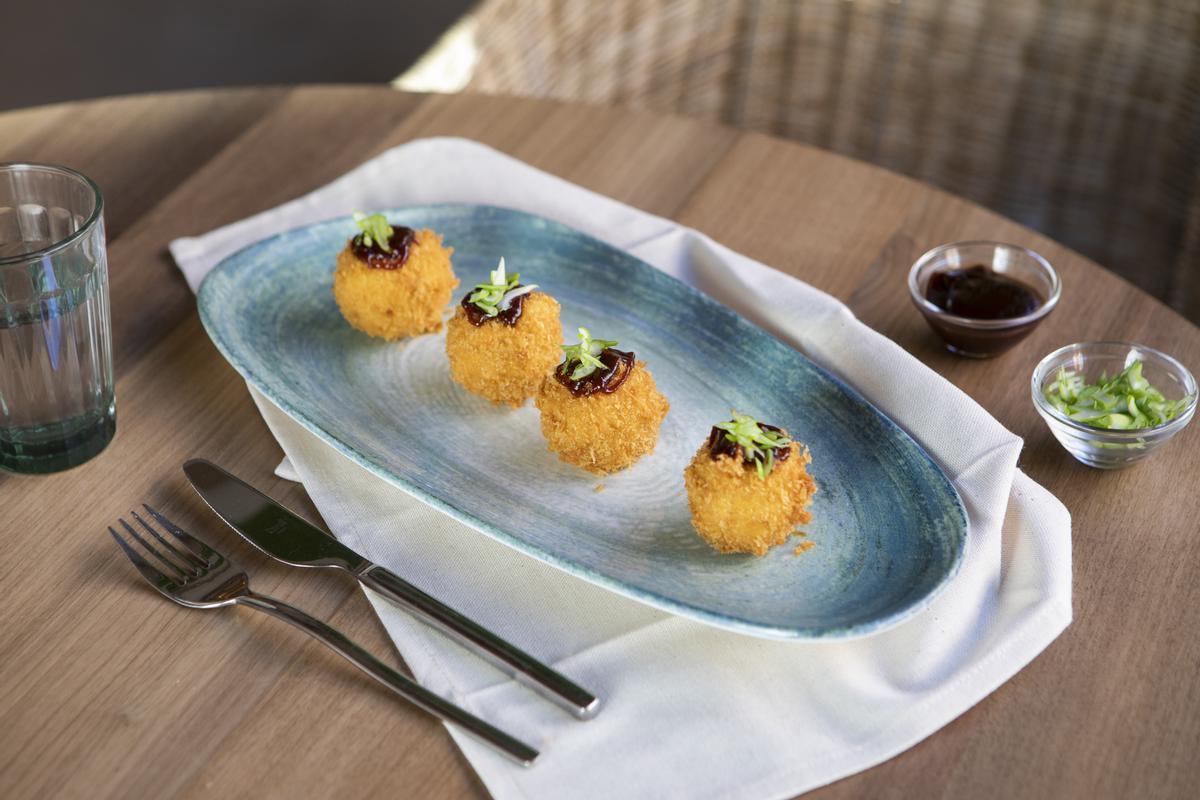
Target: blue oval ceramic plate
[(888, 527)]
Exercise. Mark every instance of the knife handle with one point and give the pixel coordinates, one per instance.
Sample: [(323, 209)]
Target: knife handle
[(523, 667)]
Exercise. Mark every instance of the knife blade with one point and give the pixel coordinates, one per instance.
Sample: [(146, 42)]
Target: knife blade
[(286, 537)]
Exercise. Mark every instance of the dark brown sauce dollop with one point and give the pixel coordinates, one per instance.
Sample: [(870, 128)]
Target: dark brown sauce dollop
[(508, 316), (979, 293), (719, 445), (618, 365), (402, 238)]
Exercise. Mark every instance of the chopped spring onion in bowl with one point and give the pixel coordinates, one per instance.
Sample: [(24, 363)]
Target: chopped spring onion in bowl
[(1112, 404), (1126, 401)]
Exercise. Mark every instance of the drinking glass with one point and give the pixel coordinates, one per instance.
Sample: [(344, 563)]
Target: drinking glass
[(56, 379)]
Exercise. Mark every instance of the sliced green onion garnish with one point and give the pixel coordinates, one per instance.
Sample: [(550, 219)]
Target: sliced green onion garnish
[(497, 295), (376, 232), (1126, 401), (586, 353), (758, 444)]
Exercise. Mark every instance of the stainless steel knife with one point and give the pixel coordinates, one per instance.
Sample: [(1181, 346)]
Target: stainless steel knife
[(286, 537)]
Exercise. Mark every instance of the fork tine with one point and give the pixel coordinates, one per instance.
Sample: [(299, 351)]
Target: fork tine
[(182, 573), (188, 557), (161, 581), (195, 545)]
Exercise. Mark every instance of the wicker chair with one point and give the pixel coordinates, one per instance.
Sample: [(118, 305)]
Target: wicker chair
[(1080, 119)]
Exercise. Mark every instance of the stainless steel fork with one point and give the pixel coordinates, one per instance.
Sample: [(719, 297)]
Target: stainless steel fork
[(194, 575)]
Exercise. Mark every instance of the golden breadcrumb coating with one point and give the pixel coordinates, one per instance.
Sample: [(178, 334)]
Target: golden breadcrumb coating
[(506, 363), (737, 512), (391, 303), (603, 432)]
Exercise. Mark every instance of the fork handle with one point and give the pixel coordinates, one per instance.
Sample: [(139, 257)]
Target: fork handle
[(546, 681), (411, 691)]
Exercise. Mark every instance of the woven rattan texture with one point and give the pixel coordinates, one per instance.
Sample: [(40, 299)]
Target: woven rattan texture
[(1079, 119)]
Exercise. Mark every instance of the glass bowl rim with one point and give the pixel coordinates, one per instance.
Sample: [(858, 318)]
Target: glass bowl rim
[(1132, 434), (984, 324), (80, 232)]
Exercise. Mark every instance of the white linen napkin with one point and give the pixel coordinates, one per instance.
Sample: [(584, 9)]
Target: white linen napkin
[(689, 711)]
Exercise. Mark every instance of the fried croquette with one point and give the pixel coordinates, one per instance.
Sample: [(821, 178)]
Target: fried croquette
[(502, 362), (603, 432), (737, 510), (395, 301)]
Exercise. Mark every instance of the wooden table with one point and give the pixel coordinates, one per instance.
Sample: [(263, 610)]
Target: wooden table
[(108, 691)]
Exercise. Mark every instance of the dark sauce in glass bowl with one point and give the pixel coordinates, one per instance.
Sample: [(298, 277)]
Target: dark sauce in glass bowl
[(719, 445), (618, 365), (977, 293), (509, 316), (375, 257)]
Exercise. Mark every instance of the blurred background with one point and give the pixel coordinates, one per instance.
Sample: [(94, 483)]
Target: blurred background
[(1079, 118)]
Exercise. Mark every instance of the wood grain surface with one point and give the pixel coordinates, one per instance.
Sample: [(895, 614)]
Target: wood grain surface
[(108, 691)]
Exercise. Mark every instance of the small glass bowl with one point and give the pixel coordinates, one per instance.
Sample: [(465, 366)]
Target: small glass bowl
[(1112, 449), (984, 338)]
